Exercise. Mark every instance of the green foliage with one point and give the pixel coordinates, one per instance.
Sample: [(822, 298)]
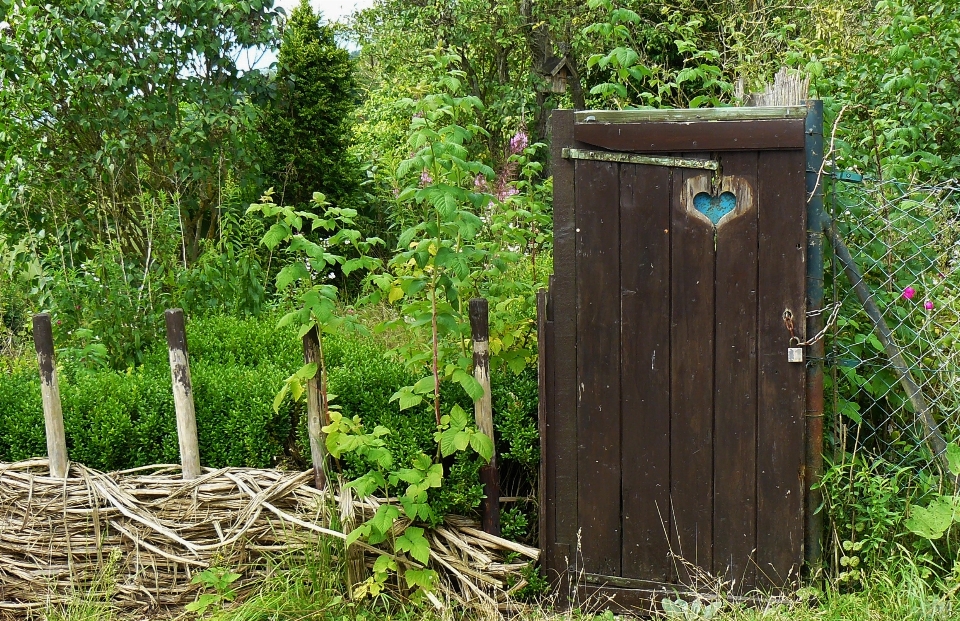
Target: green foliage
[(219, 580), (117, 420), (410, 486), (102, 101), (663, 58), (894, 79), (307, 125), (317, 311)]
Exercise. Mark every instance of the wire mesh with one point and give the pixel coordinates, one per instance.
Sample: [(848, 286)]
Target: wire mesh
[(905, 240)]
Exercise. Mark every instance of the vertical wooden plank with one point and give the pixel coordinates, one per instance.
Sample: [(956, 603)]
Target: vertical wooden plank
[(645, 370), (183, 393), (553, 560), (598, 364), (483, 413), (691, 378), (780, 424), (315, 414), (50, 394), (564, 450), (735, 396), (542, 426)]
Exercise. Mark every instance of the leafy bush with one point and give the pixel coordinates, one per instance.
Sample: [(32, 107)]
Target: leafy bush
[(124, 419)]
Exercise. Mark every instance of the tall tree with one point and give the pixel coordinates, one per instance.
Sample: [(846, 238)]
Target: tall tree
[(307, 126), (104, 100)]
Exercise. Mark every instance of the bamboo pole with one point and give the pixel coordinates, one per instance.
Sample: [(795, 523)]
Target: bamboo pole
[(483, 412), (50, 392), (315, 400), (183, 393)]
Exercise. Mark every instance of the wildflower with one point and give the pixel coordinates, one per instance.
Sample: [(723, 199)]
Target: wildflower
[(425, 178), (506, 192), (519, 142), (908, 293), (928, 305), (480, 183)]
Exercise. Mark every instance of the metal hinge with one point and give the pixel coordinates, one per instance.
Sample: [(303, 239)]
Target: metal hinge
[(633, 158)]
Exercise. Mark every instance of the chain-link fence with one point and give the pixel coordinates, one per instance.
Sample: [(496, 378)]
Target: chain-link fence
[(905, 241)]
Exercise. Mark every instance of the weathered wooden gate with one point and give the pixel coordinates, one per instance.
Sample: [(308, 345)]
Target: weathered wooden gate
[(673, 420)]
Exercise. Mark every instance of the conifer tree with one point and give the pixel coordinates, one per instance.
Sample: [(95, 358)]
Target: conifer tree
[(307, 127)]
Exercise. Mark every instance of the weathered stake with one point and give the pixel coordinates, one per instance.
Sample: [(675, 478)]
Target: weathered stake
[(318, 452), (50, 392), (183, 393), (483, 412)]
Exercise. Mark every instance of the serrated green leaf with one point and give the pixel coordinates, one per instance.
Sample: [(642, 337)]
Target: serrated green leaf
[(953, 459), (470, 385), (461, 440), (307, 371), (383, 564), (448, 442), (384, 518), (423, 578), (356, 534), (296, 388), (413, 542), (278, 400), (483, 445), (277, 233), (292, 273), (425, 385), (932, 521), (458, 418)]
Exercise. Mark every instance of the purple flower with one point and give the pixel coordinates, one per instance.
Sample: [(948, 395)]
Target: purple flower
[(480, 183), (908, 293), (506, 192), (425, 178), (519, 142), (928, 305)]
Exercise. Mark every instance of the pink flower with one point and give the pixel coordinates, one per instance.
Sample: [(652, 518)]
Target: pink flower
[(480, 183), (506, 192), (928, 305), (908, 293), (519, 142), (425, 178)]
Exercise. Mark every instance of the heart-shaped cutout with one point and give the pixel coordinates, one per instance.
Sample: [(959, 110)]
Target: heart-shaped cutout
[(715, 207)]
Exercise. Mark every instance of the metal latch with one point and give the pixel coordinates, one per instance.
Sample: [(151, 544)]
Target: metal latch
[(633, 158)]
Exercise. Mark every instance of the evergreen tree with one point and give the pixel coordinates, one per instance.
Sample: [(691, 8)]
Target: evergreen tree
[(308, 124)]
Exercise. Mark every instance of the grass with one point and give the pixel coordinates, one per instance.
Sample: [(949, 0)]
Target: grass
[(308, 586)]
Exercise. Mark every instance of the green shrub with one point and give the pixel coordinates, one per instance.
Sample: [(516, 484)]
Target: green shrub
[(116, 420)]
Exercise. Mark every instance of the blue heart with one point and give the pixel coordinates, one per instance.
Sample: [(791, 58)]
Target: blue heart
[(715, 207)]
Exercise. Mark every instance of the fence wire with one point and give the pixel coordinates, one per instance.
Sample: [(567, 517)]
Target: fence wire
[(905, 240)]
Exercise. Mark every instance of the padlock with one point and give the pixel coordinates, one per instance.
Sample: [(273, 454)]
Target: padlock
[(794, 354)]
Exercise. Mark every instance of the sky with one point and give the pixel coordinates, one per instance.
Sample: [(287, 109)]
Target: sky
[(331, 11)]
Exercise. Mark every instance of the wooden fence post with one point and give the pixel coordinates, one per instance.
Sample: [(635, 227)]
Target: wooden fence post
[(483, 412), (183, 393), (50, 391), (318, 452)]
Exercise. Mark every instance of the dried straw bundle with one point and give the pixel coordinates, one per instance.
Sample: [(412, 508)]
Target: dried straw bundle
[(57, 535)]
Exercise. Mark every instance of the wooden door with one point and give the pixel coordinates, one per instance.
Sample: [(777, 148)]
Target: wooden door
[(673, 422)]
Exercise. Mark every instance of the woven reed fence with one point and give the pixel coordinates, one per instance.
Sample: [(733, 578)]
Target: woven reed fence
[(152, 531)]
